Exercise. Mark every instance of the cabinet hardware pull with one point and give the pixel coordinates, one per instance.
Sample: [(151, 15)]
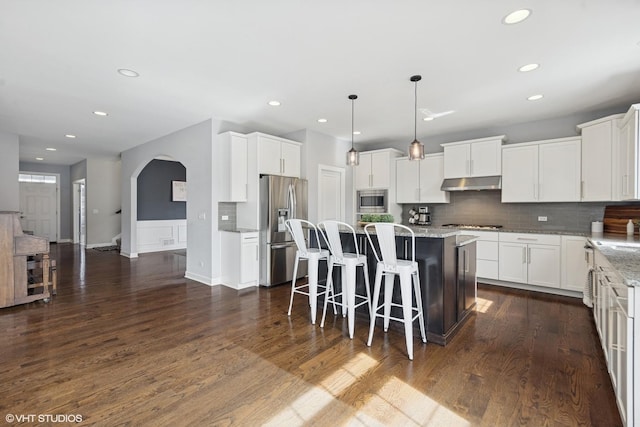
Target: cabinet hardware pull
[(406, 252), (284, 167), (581, 189), (524, 255), (529, 256)]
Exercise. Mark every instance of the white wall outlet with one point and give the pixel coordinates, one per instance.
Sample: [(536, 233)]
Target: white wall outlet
[(225, 217), (202, 216), (542, 218)]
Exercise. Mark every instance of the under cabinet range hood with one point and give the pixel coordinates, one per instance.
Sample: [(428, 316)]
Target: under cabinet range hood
[(472, 183)]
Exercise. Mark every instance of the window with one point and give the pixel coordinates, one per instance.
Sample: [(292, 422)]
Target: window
[(34, 178)]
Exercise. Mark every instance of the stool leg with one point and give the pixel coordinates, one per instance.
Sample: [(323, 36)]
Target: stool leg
[(388, 296), (376, 296), (293, 282), (343, 280), (313, 287), (326, 295), (407, 310), (350, 287), (366, 282), (418, 291)]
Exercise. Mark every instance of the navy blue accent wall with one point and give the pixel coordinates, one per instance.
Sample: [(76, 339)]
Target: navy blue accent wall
[(154, 191)]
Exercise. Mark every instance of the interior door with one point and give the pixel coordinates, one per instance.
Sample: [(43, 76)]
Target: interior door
[(38, 207)]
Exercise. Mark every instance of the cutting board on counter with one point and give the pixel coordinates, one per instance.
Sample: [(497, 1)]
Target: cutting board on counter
[(616, 218)]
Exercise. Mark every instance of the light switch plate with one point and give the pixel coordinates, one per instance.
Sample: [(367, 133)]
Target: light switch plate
[(225, 217)]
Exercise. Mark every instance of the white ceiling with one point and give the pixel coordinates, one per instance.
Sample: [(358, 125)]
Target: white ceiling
[(226, 59)]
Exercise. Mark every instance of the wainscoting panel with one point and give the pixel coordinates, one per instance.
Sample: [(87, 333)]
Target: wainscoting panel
[(162, 235)]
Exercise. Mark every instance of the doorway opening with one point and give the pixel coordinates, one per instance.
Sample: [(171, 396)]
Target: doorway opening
[(79, 212)]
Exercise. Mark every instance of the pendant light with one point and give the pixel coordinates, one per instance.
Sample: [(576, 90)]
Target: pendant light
[(416, 148), (353, 157)]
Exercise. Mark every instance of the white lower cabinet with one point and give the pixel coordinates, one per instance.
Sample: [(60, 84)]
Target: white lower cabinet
[(574, 264), (240, 259), (532, 259), (487, 259), (615, 306)]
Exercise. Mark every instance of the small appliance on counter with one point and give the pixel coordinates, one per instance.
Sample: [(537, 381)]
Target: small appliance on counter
[(424, 216)]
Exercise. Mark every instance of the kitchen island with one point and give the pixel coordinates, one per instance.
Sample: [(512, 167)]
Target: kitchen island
[(446, 263)]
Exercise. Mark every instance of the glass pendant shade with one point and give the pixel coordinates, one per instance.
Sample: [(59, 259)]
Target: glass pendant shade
[(416, 150), (353, 157)]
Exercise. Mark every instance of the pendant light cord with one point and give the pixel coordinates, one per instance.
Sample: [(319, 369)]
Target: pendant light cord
[(415, 112), (352, 100)]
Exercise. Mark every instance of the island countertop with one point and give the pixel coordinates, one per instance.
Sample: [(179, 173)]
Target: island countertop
[(623, 253)]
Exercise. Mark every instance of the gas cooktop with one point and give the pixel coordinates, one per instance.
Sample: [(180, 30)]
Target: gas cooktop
[(479, 227)]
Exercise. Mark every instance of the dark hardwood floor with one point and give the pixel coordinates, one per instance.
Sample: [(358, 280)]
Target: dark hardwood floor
[(131, 342)]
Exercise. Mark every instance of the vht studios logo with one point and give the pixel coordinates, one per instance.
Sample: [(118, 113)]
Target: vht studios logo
[(43, 418)]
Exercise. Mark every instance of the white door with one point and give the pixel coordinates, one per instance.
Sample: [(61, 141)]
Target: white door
[(544, 265), (38, 207), (331, 193), (513, 262)]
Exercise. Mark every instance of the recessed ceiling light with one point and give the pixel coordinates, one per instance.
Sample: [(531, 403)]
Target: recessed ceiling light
[(528, 67), (50, 149), (356, 132), (100, 113), (69, 136), (428, 118), (274, 103), (322, 120), (39, 158), (128, 73), (517, 16), (534, 97)]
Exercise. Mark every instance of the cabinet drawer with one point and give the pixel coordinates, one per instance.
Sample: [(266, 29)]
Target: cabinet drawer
[(492, 236), (487, 269), (487, 250), (526, 238)]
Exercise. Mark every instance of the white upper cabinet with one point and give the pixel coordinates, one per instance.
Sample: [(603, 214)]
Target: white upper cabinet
[(233, 167), (627, 174), (419, 181), (374, 170), (278, 156), (599, 159), (477, 157), (544, 171)]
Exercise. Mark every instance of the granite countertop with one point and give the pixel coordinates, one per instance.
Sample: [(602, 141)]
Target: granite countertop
[(433, 232), (238, 230), (622, 252)]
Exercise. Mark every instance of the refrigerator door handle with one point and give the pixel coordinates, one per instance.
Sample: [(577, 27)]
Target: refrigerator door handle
[(292, 201), (281, 246)]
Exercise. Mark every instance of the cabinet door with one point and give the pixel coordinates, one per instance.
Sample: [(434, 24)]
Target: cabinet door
[(457, 161), (362, 172), (559, 172), (520, 174), (238, 169), (513, 262), (574, 265), (290, 159), (269, 158), (431, 176), (597, 146), (249, 261), (544, 265), (486, 158), (380, 170), (627, 157), (407, 181)]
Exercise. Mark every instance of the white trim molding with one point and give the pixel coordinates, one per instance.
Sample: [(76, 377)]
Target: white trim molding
[(161, 235)]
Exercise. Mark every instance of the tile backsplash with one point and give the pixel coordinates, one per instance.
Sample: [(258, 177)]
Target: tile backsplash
[(485, 208), (227, 209)]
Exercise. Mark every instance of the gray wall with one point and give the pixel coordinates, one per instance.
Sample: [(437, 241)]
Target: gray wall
[(103, 200), (9, 188), (66, 199), (518, 132), (155, 190), (485, 208)]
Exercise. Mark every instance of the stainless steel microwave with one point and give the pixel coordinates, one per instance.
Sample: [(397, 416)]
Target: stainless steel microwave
[(372, 201)]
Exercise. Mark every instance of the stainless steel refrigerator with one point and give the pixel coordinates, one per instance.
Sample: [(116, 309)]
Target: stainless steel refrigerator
[(281, 198)]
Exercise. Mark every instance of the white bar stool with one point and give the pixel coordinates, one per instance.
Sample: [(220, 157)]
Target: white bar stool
[(313, 257), (347, 261), (389, 266)]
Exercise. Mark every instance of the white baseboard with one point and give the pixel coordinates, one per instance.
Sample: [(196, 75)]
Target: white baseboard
[(129, 255), (210, 281), (98, 245)]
